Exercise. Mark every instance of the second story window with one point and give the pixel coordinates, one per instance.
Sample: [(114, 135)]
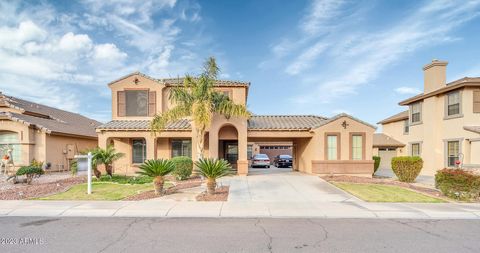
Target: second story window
[(406, 127), (416, 113), (453, 103), (137, 102), (476, 101)]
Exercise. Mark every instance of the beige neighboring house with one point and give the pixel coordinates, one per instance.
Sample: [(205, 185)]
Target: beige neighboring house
[(337, 145), (442, 125), (43, 133)]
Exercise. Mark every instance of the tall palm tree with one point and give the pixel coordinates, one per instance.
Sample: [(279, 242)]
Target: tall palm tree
[(107, 157), (198, 100)]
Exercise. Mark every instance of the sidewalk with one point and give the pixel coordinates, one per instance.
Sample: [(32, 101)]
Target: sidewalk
[(166, 208)]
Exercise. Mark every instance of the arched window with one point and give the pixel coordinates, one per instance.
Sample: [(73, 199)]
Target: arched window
[(10, 139)]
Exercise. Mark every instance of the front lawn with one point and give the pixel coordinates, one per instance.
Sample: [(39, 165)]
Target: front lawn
[(385, 193), (102, 191)]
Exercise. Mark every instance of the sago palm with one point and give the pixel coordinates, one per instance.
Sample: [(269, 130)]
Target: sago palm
[(212, 169), (198, 101), (107, 157), (157, 169)]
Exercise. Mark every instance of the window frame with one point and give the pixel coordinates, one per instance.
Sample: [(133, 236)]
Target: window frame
[(446, 150), (411, 144), (406, 127), (420, 112), (147, 91), (326, 148), (182, 147), (362, 134), (144, 151), (447, 105)]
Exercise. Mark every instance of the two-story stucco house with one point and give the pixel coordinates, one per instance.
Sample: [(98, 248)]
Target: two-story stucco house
[(341, 144), (442, 125)]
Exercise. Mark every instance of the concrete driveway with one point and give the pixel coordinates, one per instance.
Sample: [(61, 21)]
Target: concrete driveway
[(282, 185)]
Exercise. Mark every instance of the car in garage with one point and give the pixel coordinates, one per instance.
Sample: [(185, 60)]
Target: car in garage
[(260, 160), (284, 161)]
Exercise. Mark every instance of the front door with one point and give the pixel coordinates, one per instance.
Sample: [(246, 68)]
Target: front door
[(231, 152)]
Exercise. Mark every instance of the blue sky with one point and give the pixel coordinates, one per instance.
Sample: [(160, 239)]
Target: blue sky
[(302, 57)]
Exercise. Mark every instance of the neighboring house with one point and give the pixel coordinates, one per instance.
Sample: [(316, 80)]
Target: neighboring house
[(442, 125), (338, 145), (43, 133)]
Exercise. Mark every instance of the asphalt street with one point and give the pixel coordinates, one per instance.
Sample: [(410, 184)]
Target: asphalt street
[(37, 234)]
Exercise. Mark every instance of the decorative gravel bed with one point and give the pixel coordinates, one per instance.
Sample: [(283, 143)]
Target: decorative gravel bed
[(190, 183), (40, 189), (366, 180), (221, 194)]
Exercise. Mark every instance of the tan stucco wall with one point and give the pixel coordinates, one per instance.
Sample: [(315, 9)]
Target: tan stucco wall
[(435, 129), (56, 146), (26, 137)]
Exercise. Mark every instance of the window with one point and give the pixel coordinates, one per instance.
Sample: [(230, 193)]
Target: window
[(136, 102), (139, 151), (476, 101), (416, 110), (453, 149), (406, 127), (9, 140), (182, 148), (332, 147), (415, 149), (249, 151), (453, 103), (357, 147)]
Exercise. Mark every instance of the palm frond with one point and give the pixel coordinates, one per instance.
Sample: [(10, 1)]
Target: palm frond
[(230, 109), (159, 122), (213, 168), (154, 168)]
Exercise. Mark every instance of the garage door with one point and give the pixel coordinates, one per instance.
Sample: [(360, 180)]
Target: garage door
[(386, 158)]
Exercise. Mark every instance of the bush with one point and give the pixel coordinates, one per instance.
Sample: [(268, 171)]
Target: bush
[(376, 164), (183, 167), (407, 168), (458, 184), (29, 172)]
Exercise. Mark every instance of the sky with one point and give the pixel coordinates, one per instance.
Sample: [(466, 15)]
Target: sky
[(319, 57)]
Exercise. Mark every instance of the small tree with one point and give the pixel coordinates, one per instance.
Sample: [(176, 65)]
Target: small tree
[(157, 169), (407, 168), (107, 157), (213, 169)]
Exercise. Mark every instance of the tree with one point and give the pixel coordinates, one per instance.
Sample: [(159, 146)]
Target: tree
[(198, 101), (107, 157), (157, 169), (212, 169)]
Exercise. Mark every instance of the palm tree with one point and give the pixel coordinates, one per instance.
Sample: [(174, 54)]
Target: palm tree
[(212, 169), (107, 157), (157, 169), (198, 100)]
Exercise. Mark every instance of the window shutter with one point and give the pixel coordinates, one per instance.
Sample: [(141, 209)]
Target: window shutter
[(121, 106), (476, 101), (152, 99)]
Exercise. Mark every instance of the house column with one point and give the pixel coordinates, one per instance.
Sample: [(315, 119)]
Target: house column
[(151, 142), (102, 140), (242, 162), (213, 143)]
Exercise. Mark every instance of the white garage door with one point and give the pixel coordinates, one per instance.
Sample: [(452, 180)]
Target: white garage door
[(386, 158)]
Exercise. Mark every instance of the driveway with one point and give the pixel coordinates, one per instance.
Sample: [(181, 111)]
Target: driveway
[(283, 185)]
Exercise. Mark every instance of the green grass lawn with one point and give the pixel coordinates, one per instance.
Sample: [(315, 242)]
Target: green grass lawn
[(102, 191), (385, 193)]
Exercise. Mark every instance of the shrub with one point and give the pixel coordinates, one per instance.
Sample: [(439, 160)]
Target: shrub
[(183, 167), (74, 167), (407, 168), (29, 172), (376, 164), (458, 184), (157, 169), (213, 169), (35, 163)]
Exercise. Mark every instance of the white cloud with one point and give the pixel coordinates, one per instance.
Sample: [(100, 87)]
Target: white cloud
[(320, 14), (75, 42), (407, 90), (304, 61), (13, 38), (108, 52)]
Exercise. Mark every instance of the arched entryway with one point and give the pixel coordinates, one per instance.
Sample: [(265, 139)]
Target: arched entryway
[(228, 144)]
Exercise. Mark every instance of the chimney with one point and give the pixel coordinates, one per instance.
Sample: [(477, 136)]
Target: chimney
[(435, 75)]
